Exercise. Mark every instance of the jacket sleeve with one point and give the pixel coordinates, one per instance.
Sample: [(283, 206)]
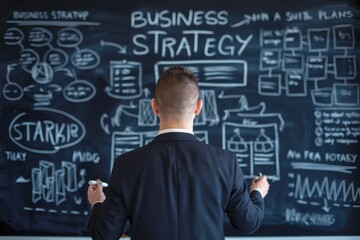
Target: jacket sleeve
[(108, 219), (245, 211)]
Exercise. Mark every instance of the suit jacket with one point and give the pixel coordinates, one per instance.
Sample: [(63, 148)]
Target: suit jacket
[(176, 188)]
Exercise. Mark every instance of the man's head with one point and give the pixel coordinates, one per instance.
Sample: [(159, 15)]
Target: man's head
[(177, 94)]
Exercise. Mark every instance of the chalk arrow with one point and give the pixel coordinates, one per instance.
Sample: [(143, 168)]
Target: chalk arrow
[(9, 68), (67, 72), (326, 207), (77, 200), (122, 49), (246, 21), (214, 122), (226, 115)]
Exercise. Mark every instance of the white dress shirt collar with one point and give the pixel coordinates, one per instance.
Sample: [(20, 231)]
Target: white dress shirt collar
[(169, 130)]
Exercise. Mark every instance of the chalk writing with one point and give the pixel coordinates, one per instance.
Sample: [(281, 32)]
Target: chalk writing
[(279, 87), (337, 126), (45, 135), (309, 218)]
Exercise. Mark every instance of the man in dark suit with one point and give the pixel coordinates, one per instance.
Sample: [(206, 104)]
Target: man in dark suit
[(176, 187)]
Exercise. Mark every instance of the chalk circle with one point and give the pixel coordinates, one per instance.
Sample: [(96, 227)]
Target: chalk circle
[(66, 130), (317, 114), (39, 37), (69, 37), (42, 73), (319, 131), (319, 141), (85, 59), (28, 59), (56, 57), (79, 91), (318, 122), (12, 91), (13, 36)]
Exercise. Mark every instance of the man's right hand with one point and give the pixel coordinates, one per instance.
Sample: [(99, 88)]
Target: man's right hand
[(261, 184), (95, 193)]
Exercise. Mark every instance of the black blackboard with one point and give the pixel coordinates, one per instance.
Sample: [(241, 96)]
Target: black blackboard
[(279, 81)]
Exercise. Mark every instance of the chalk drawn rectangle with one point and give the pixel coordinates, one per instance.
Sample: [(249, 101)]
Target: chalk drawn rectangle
[(256, 147), (293, 62), (269, 59), (318, 39), (211, 73), (345, 67), (344, 36), (233, 140), (293, 39), (70, 176), (46, 170), (316, 67), (322, 97), (60, 188), (346, 94), (296, 85), (269, 85), (36, 184), (125, 79), (48, 190), (122, 142), (146, 115), (271, 39), (209, 112)]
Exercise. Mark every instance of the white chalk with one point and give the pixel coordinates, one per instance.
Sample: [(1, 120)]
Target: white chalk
[(257, 178), (92, 182)]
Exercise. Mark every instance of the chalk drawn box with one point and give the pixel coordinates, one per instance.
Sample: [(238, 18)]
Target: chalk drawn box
[(293, 62), (322, 97), (270, 85), (346, 94), (316, 67), (318, 39), (293, 39), (269, 59), (344, 36), (345, 67)]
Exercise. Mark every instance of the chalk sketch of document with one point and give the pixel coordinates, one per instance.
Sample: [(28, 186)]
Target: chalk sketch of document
[(223, 73), (125, 80), (254, 137)]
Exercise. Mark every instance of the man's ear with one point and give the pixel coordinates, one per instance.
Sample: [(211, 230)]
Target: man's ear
[(154, 106), (199, 105)]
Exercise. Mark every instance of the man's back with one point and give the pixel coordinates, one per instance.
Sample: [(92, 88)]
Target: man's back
[(176, 187), (179, 188)]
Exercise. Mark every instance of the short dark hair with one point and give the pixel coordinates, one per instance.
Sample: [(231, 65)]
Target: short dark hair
[(177, 91)]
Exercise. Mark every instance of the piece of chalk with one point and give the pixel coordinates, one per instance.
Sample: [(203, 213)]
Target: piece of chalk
[(104, 184), (258, 177)]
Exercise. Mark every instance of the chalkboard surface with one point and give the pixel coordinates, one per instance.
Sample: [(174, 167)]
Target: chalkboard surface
[(279, 79)]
